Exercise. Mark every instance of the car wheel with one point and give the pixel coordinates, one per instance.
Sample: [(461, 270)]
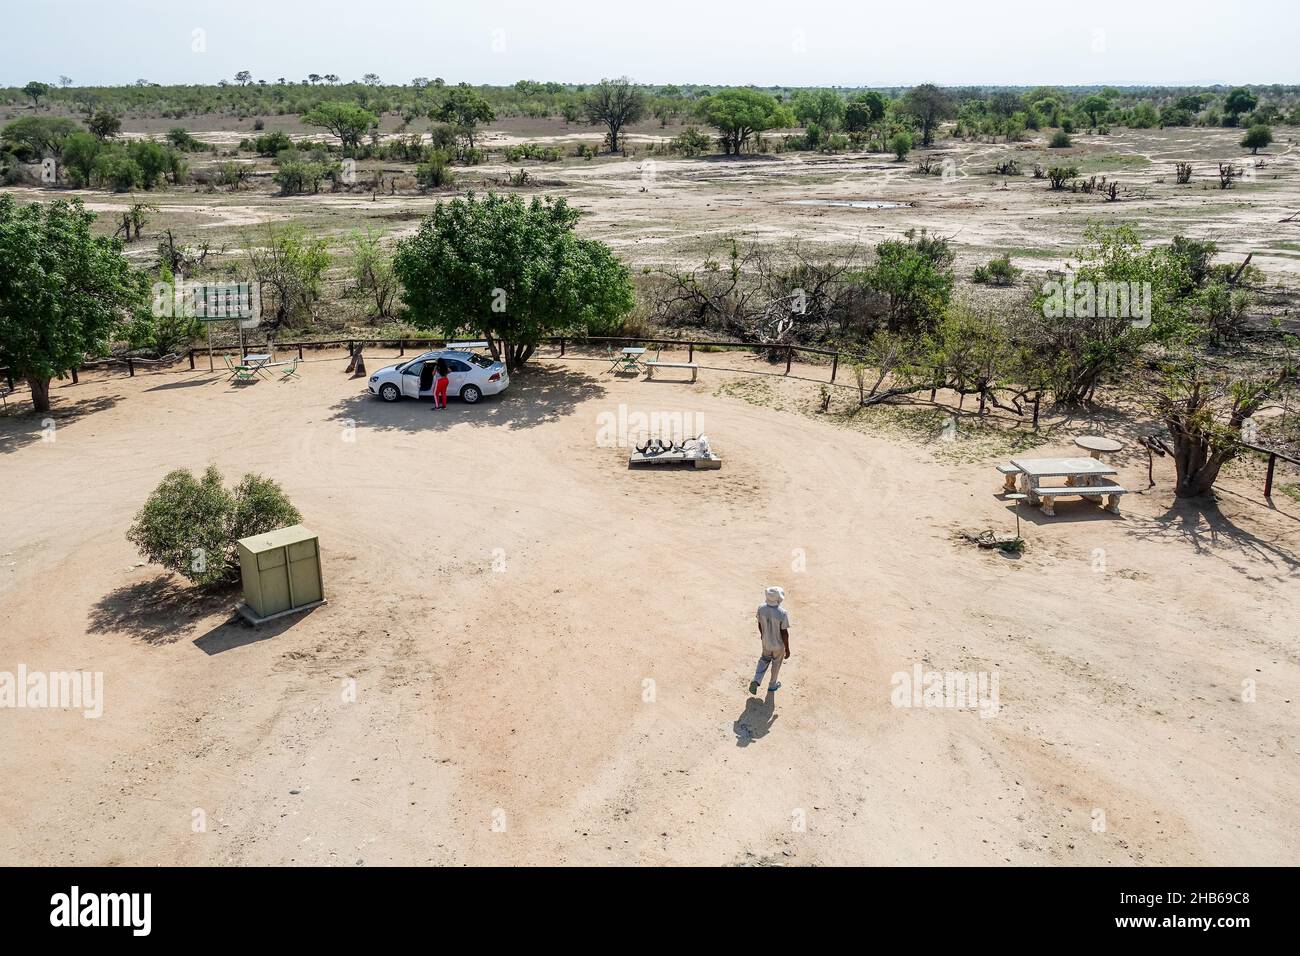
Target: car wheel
[(470, 394), (389, 392)]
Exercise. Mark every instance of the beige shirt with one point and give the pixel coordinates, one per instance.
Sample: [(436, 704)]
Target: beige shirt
[(771, 620)]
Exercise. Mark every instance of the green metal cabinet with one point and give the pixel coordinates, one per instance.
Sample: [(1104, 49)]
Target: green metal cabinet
[(281, 571)]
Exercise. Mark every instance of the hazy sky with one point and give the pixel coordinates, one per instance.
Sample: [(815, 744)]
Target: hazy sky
[(792, 43)]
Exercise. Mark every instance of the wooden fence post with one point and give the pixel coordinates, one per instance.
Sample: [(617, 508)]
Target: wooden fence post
[(130, 367), (1037, 397), (401, 346), (191, 360), (690, 352), (561, 346), (74, 376), (789, 357), (835, 366), (1268, 478)]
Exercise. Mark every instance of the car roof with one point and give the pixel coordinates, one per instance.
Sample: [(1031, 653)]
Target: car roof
[(445, 353)]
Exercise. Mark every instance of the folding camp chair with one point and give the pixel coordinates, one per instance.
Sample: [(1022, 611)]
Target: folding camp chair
[(240, 372), (290, 371)]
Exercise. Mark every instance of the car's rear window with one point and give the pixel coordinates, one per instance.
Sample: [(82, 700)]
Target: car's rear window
[(480, 360)]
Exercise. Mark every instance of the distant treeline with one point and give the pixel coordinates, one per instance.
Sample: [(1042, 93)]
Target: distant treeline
[(246, 96)]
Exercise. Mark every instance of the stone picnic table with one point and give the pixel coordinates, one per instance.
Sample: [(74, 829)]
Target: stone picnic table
[(1081, 476)]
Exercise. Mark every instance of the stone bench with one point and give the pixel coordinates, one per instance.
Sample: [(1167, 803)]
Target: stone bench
[(652, 365), (1112, 492), (1008, 473)]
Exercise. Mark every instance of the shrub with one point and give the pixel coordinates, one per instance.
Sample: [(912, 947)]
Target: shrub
[(270, 144), (118, 171), (1057, 175), (437, 172), (901, 144), (1060, 140), (180, 138), (190, 525), (691, 142), (998, 271), (1256, 138)]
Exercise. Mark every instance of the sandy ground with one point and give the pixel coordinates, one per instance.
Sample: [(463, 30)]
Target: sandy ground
[(551, 653)]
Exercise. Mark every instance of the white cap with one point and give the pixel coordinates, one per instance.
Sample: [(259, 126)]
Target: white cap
[(775, 595)]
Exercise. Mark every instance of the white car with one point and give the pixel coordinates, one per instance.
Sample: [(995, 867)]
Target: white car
[(472, 376)]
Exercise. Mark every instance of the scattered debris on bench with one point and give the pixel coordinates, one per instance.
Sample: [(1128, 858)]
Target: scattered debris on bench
[(688, 453)]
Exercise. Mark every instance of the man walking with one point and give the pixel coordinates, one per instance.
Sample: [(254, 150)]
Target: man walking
[(774, 630)]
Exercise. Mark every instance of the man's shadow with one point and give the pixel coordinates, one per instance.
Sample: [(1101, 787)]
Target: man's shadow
[(756, 720)]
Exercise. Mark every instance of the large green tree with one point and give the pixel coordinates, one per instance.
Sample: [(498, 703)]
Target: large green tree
[(863, 111), (823, 107), (614, 104), (347, 121), (64, 291), (740, 113), (36, 89), (930, 105), (1239, 100), (464, 107), (510, 271), (40, 136)]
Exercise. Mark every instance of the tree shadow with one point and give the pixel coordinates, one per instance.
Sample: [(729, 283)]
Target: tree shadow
[(756, 720), (1111, 422), (159, 611), (21, 426), (1200, 523), (537, 395), (205, 379)]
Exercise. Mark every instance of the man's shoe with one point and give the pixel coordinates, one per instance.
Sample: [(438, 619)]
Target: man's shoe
[(753, 687)]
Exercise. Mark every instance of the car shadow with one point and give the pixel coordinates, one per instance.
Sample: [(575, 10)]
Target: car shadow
[(536, 396)]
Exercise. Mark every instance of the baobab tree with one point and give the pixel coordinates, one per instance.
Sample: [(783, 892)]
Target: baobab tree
[(1208, 414)]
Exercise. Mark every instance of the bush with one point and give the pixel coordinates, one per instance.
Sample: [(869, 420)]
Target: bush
[(1256, 138), (269, 145), (180, 138), (999, 271), (691, 142), (901, 144), (118, 171), (1058, 175), (190, 525), (1060, 140), (437, 172)]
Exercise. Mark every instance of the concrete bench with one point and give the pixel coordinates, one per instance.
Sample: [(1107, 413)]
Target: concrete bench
[(652, 365), (1008, 473), (1093, 492)]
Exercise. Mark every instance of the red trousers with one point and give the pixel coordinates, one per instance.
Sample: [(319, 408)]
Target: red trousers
[(440, 393)]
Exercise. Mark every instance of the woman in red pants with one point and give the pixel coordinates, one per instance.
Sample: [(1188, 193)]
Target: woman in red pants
[(440, 383)]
